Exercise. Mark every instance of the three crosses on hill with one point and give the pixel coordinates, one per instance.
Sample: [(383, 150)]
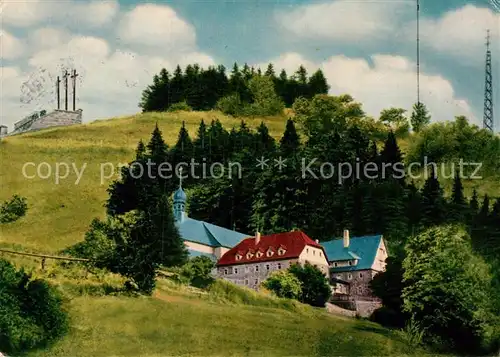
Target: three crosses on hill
[(58, 81)]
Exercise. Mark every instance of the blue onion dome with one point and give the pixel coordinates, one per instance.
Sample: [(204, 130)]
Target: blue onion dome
[(180, 195)]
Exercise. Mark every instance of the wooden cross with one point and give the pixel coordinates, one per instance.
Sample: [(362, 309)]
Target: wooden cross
[(73, 77), (65, 76)]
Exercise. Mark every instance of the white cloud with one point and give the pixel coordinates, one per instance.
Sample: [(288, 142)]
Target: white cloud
[(389, 82), (158, 26), (462, 32), (345, 20), (47, 37), (110, 81), (28, 13), (10, 46)]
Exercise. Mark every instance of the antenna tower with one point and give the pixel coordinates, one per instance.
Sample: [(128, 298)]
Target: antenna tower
[(418, 51), (488, 89)]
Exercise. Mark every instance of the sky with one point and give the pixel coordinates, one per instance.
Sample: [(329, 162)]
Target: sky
[(366, 48)]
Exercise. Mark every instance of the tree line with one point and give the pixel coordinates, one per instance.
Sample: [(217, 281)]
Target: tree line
[(201, 89)]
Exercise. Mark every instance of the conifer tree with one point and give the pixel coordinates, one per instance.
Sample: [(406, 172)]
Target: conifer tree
[(433, 203), (154, 242), (458, 204), (413, 208), (290, 141), (201, 142), (270, 71), (391, 154), (420, 117), (317, 84), (265, 142)]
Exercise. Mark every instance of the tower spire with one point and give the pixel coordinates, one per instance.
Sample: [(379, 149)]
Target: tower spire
[(488, 88)]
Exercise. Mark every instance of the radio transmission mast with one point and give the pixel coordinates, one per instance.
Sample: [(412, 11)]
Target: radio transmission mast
[(418, 51), (488, 89)]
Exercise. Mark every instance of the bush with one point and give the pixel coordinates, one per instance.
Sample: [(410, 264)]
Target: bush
[(316, 290), (196, 272), (284, 284), (388, 317), (14, 209), (31, 312), (230, 105), (449, 289), (180, 106)]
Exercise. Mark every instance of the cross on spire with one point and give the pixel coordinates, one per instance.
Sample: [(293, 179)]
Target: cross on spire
[(180, 177)]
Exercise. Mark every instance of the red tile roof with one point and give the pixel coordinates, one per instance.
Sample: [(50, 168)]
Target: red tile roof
[(292, 242)]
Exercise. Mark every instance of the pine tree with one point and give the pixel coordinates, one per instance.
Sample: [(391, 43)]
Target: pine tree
[(458, 204), (154, 242), (413, 208), (317, 84), (265, 142), (420, 117), (290, 141), (433, 203), (201, 142), (391, 154), (270, 71)]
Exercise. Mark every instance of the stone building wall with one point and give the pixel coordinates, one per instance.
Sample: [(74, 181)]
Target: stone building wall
[(252, 275), (58, 118), (55, 118), (358, 282)]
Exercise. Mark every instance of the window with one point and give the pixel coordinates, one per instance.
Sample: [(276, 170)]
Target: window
[(225, 271), (246, 281), (258, 255), (256, 281), (267, 267), (307, 250), (236, 270), (269, 253), (349, 276), (256, 268), (279, 265), (281, 251), (320, 254), (360, 275), (350, 262), (335, 264), (249, 255), (314, 252), (238, 257), (339, 276)]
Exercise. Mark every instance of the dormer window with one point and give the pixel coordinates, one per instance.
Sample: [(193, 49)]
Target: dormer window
[(238, 257), (269, 252), (249, 255), (281, 251), (259, 254), (350, 262)]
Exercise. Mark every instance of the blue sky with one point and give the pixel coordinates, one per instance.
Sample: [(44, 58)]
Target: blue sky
[(366, 48)]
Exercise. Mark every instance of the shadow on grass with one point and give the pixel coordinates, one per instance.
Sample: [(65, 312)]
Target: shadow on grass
[(374, 329)]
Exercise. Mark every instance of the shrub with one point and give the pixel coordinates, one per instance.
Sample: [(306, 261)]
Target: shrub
[(316, 290), (448, 289), (14, 209), (284, 284), (230, 105), (180, 106), (31, 311), (388, 317), (196, 272)]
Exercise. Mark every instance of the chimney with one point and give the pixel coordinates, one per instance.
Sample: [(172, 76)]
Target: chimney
[(317, 240), (257, 238), (346, 238)]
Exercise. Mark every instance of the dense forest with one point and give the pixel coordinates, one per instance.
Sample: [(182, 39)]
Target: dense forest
[(201, 89)]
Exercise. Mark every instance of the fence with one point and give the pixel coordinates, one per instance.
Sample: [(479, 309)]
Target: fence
[(43, 256)]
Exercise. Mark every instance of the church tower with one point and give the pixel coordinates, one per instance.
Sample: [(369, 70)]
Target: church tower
[(180, 201)]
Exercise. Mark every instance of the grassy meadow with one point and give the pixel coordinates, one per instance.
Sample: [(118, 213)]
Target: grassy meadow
[(60, 212), (224, 321)]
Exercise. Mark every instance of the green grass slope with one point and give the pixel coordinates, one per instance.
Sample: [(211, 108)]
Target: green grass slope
[(60, 213)]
